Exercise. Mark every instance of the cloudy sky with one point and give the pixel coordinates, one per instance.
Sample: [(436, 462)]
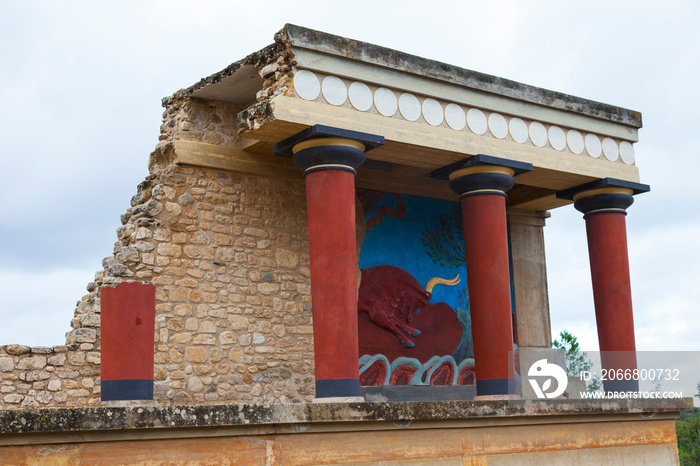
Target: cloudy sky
[(80, 90)]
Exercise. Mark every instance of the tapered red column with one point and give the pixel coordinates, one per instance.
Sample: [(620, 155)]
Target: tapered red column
[(482, 187), (329, 157), (604, 205)]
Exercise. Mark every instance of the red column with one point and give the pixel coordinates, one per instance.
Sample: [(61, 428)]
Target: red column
[(482, 187), (329, 157), (604, 212), (126, 341)]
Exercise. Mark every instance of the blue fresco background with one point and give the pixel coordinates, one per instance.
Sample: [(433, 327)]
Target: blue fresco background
[(397, 241)]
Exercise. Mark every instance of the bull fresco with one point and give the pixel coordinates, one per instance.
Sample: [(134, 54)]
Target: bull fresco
[(413, 306)]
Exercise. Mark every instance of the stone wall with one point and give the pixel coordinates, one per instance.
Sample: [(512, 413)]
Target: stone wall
[(228, 254)]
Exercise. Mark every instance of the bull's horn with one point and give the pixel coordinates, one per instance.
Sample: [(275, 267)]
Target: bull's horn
[(440, 281)]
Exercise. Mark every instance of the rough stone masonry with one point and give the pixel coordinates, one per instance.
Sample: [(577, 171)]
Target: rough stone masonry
[(228, 255)]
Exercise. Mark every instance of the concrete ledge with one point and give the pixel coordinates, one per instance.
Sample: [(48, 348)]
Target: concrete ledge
[(444, 433), (26, 421)]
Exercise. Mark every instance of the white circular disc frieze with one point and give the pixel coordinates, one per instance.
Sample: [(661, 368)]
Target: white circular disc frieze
[(360, 96), (409, 107), (610, 149), (385, 101), (498, 125), (538, 134), (557, 138), (477, 121), (455, 117), (306, 85), (518, 130), (432, 112), (334, 90), (627, 152), (575, 141), (593, 146)]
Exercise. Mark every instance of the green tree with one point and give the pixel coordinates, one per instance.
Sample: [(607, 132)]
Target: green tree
[(688, 433), (576, 360)]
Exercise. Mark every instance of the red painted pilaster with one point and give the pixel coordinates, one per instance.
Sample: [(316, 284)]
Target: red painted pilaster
[(126, 341)]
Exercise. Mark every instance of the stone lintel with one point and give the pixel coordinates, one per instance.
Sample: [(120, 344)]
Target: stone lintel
[(424, 147), (358, 51)]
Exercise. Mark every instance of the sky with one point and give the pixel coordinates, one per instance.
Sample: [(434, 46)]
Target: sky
[(80, 90)]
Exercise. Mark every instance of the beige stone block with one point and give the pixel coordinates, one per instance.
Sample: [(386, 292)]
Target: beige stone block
[(207, 327), (84, 335), (60, 397), (17, 350), (32, 363), (195, 354), (265, 349), (80, 393), (236, 355), (202, 370), (90, 320), (192, 324), (54, 385), (286, 258), (175, 355), (177, 294), (175, 324), (184, 337), (183, 310), (227, 337), (169, 250), (159, 373), (7, 364), (76, 358), (70, 384), (161, 358), (222, 369), (93, 357), (13, 398), (238, 322), (194, 384), (206, 339)]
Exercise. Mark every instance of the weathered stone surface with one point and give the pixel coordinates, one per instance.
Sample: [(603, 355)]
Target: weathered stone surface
[(6, 364), (32, 363), (17, 350), (90, 320), (54, 385), (41, 350), (195, 354)]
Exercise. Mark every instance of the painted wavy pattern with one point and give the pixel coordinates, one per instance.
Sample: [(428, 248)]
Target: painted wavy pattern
[(376, 370)]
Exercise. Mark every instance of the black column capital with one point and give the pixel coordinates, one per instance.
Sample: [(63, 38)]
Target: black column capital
[(607, 195), (326, 148), (481, 174)]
